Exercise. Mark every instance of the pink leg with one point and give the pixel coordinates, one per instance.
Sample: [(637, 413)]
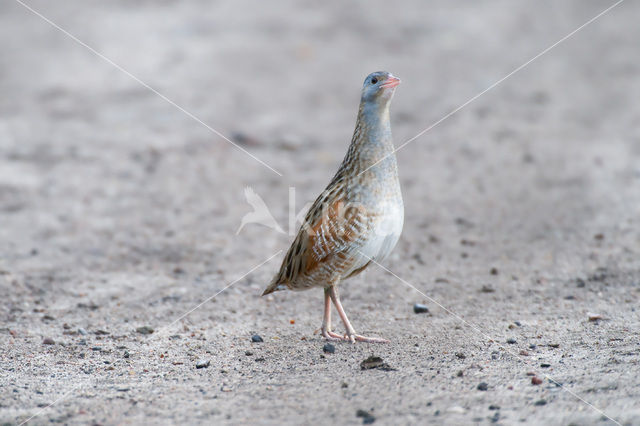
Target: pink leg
[(351, 333), (326, 319)]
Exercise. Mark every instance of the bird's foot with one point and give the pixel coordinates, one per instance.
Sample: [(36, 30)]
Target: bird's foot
[(358, 338), (330, 335)]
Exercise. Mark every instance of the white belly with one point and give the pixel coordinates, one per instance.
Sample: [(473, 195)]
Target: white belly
[(383, 238)]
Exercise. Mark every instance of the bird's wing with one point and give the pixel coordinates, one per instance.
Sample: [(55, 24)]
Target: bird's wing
[(332, 228)]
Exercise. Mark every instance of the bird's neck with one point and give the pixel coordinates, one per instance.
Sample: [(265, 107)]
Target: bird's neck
[(372, 144)]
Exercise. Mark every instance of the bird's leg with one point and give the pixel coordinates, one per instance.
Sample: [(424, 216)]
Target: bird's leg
[(351, 333), (326, 319)]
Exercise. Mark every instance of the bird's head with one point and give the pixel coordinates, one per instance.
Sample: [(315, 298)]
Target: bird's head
[(379, 87)]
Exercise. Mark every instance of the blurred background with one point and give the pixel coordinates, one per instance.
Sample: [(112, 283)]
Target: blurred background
[(113, 197)]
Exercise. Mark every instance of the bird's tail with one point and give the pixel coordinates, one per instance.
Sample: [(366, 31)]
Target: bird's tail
[(274, 286)]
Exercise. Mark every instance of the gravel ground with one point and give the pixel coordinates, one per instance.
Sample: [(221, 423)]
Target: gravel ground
[(118, 213)]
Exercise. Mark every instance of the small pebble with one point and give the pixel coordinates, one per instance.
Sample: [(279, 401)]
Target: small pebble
[(329, 348), (144, 330), (203, 363), (375, 362), (256, 339), (511, 341), (545, 365), (420, 309), (494, 271), (460, 355), (460, 373), (82, 331), (540, 402), (536, 380), (482, 386), (367, 417), (594, 317), (456, 409), (48, 341), (248, 353), (494, 407)]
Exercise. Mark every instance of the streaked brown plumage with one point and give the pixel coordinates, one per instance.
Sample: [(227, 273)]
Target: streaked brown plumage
[(358, 218)]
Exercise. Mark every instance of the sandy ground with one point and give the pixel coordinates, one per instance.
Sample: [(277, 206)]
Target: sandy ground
[(119, 211)]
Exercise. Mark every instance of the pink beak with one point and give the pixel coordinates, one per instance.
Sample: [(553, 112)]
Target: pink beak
[(390, 82)]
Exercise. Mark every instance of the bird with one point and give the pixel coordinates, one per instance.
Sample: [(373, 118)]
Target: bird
[(260, 213), (357, 220)]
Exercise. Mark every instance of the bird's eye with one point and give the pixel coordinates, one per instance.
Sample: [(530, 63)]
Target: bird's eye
[(374, 80)]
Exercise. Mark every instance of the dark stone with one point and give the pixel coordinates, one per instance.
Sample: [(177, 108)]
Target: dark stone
[(256, 339), (144, 330), (494, 407), (482, 386), (329, 348), (540, 402), (375, 362), (511, 341), (367, 417), (420, 309), (48, 341)]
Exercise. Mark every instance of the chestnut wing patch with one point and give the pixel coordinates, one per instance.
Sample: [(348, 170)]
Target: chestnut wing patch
[(335, 230)]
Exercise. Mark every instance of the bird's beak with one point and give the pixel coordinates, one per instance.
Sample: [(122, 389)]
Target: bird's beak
[(390, 82)]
